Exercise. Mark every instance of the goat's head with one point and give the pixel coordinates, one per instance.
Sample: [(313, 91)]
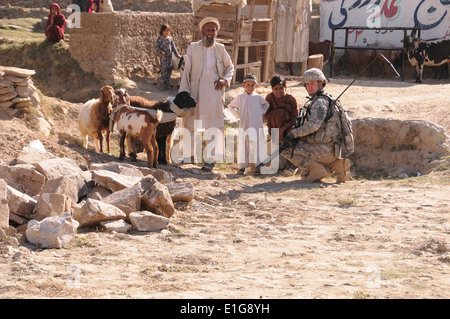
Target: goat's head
[(184, 100), (106, 94), (181, 63), (178, 64), (410, 43), (121, 97)]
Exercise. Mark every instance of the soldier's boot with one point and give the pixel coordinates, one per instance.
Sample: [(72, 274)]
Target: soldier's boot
[(342, 169), (316, 173)]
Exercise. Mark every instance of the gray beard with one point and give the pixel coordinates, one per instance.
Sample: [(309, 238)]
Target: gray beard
[(207, 42)]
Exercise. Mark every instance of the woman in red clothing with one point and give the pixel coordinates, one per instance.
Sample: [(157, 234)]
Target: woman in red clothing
[(56, 23), (282, 112)]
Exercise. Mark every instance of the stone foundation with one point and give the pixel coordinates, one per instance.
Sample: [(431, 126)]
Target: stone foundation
[(399, 146)]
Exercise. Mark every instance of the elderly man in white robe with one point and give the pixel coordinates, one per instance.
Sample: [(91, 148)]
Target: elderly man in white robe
[(208, 71)]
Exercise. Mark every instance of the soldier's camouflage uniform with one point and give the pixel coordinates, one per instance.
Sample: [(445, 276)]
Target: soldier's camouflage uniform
[(314, 154)]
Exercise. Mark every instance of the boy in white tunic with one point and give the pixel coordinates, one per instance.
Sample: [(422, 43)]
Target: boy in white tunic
[(249, 107)]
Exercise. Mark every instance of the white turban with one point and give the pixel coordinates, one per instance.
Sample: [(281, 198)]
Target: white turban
[(208, 20)]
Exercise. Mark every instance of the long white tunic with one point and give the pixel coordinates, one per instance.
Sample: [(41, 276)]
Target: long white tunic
[(209, 101), (249, 108), (209, 111)]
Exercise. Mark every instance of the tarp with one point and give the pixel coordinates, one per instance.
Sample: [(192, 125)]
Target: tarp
[(293, 18)]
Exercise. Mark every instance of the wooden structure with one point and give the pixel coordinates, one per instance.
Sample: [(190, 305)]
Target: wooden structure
[(246, 30)]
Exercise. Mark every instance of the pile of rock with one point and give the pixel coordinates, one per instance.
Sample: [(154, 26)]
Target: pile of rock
[(400, 148), (49, 197), (17, 90)]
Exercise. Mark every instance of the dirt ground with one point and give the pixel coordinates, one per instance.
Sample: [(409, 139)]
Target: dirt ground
[(256, 237)]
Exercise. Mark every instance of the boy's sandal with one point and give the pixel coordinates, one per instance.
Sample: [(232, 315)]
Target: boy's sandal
[(208, 167), (256, 171)]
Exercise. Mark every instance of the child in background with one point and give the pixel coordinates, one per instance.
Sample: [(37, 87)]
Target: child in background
[(85, 5), (283, 110), (56, 24), (165, 46), (249, 107), (94, 5)]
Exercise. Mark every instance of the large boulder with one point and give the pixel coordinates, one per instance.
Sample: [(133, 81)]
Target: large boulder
[(56, 167), (127, 199), (147, 221), (52, 232), (19, 203), (51, 204), (93, 212), (156, 197), (113, 181), (24, 177)]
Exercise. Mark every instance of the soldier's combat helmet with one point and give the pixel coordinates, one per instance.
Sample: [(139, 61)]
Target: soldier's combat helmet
[(314, 74)]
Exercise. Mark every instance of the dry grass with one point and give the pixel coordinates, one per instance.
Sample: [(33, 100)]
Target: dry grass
[(20, 31)]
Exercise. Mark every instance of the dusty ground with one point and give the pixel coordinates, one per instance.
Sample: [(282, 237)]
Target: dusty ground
[(253, 237)]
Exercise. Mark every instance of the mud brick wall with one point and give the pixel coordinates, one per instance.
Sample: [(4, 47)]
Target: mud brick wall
[(122, 44)]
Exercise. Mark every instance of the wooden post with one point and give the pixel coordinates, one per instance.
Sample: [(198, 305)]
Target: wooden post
[(315, 61)]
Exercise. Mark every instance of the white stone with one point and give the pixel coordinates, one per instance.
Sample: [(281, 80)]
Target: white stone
[(118, 225), (52, 232)]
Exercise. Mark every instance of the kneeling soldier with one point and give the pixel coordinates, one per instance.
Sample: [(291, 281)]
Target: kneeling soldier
[(312, 146)]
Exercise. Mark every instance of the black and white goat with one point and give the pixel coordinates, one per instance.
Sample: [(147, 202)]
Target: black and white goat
[(422, 53)]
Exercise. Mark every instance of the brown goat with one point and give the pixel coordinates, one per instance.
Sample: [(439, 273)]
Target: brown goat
[(180, 105), (132, 122), (184, 103), (93, 119)]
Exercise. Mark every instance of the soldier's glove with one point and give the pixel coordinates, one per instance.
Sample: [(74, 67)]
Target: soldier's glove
[(289, 141)]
